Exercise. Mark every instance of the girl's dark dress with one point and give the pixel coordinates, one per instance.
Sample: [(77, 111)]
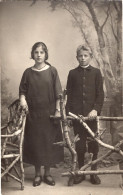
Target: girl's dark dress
[(41, 89)]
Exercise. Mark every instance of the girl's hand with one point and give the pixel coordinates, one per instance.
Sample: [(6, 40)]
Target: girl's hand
[(92, 115), (23, 102), (57, 113)]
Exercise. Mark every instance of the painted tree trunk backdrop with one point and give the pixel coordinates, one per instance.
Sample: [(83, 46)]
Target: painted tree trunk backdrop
[(110, 18), (106, 21), (100, 26)]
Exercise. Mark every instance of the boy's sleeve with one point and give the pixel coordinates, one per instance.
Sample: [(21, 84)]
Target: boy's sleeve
[(23, 84), (99, 93)]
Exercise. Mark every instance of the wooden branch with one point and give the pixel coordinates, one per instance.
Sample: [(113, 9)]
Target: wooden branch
[(96, 161), (22, 171), (102, 118), (13, 134), (98, 124), (11, 144), (10, 156), (16, 171), (12, 176), (23, 130), (81, 119), (62, 144), (4, 127), (91, 172), (93, 135), (105, 118), (83, 168), (3, 147), (101, 158), (17, 118), (66, 135), (67, 139), (11, 165), (14, 103)]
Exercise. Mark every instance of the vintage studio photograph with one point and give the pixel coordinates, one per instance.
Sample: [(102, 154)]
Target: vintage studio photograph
[(61, 97)]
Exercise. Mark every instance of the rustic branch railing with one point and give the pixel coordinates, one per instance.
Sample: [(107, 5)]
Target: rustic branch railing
[(101, 118), (12, 142), (66, 137), (97, 137), (115, 148)]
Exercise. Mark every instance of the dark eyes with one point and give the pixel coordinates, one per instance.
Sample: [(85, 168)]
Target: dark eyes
[(83, 56), (41, 52)]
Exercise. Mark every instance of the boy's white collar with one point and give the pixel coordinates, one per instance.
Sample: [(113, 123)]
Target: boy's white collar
[(84, 66)]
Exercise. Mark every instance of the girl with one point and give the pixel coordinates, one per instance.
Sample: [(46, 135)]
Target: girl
[(39, 93)]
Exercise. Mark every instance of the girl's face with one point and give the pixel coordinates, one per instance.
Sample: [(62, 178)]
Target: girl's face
[(39, 55), (83, 57)]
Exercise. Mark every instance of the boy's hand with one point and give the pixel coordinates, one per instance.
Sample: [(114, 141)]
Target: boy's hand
[(92, 115)]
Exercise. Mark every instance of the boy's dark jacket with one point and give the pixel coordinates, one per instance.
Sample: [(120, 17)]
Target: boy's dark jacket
[(84, 90)]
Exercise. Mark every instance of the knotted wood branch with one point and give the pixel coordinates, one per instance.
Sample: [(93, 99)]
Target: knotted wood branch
[(66, 134)]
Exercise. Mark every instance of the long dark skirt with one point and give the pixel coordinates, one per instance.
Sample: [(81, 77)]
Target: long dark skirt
[(40, 134)]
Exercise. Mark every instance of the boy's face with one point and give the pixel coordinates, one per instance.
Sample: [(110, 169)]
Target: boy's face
[(83, 58)]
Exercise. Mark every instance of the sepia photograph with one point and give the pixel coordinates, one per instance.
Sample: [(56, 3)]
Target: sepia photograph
[(61, 97)]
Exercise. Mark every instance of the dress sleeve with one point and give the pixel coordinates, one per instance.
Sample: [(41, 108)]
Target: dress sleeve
[(57, 83), (23, 84), (69, 92)]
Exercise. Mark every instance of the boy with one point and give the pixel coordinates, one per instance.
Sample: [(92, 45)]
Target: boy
[(85, 97)]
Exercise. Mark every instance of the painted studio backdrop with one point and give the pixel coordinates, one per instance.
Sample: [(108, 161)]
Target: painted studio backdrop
[(62, 26)]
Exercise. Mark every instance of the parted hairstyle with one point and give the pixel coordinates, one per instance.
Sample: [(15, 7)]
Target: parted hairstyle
[(44, 47), (85, 48)]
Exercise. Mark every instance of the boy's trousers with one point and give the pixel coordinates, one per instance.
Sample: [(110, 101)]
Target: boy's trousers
[(81, 144)]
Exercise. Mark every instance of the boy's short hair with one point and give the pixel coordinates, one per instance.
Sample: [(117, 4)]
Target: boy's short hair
[(85, 48)]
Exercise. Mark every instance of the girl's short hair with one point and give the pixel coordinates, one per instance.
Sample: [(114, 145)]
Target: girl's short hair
[(44, 47), (85, 48)]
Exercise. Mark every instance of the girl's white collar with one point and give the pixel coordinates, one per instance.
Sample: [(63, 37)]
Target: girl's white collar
[(44, 68)]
